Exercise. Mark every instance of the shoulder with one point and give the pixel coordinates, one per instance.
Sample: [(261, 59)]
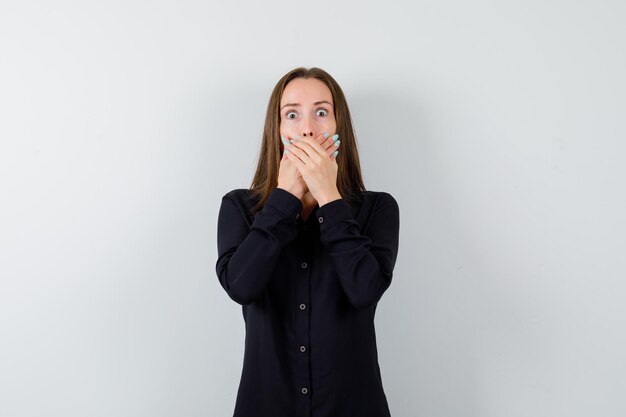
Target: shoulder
[(241, 195), (366, 205), (243, 198), (376, 198)]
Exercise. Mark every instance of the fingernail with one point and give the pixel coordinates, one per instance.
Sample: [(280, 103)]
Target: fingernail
[(298, 137), (336, 137), (291, 141), (286, 151), (334, 153), (337, 143), (326, 135), (283, 139)]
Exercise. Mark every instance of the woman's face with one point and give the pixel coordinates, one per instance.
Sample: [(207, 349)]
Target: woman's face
[(306, 109)]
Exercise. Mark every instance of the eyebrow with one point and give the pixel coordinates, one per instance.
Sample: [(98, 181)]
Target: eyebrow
[(298, 104)]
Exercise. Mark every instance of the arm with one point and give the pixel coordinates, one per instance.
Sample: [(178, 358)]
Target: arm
[(247, 256), (364, 263)]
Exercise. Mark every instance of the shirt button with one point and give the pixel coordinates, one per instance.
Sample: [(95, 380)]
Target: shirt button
[(302, 348), (321, 219), (304, 265), (302, 306), (304, 390)]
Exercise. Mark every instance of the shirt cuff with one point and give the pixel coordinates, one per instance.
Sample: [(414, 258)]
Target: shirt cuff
[(332, 213), (285, 202)]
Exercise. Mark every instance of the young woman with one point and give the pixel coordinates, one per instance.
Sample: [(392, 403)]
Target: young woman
[(308, 253)]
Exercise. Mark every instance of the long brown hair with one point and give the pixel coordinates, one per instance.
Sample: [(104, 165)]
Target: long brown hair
[(349, 179)]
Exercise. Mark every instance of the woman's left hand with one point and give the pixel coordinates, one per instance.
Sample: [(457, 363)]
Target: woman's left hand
[(318, 170)]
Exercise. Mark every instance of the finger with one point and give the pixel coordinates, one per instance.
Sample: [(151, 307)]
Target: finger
[(333, 147), (330, 144), (285, 152), (295, 160), (323, 140), (328, 141), (313, 149), (286, 140), (296, 149), (319, 149), (326, 144)]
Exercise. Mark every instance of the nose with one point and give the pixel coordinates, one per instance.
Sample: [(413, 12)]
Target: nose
[(307, 127)]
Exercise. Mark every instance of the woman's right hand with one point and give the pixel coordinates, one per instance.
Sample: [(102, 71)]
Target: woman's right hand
[(289, 177)]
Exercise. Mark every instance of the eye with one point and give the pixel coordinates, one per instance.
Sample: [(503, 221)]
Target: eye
[(323, 110), (291, 112)]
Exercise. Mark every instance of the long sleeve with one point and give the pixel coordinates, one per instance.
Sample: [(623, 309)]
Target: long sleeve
[(364, 263), (247, 255)]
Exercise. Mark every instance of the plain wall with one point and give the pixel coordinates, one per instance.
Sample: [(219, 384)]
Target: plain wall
[(498, 126)]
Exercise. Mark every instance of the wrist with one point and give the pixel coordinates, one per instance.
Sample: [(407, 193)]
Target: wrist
[(298, 195), (328, 198)]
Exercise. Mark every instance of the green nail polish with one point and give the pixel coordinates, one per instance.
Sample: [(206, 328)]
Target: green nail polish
[(326, 135), (298, 137), (334, 153), (336, 137), (286, 151), (337, 143)]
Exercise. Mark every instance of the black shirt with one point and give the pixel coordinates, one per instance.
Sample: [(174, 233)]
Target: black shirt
[(309, 291)]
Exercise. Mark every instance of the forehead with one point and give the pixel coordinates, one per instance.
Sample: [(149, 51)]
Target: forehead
[(300, 90)]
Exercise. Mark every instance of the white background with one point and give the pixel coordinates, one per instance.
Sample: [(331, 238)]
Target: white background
[(498, 126)]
